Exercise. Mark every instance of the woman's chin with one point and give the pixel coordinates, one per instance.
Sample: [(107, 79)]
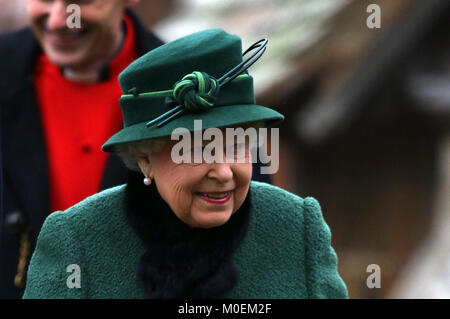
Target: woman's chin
[(209, 219)]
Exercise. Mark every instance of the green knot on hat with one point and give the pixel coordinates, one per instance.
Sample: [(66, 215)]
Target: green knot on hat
[(188, 73), (196, 91)]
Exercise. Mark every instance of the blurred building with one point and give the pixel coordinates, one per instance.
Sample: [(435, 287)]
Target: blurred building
[(370, 133)]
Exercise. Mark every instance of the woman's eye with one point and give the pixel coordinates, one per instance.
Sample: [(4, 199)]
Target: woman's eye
[(236, 151), (196, 154), (190, 155)]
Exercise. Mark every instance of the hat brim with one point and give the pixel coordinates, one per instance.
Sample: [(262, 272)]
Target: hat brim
[(224, 116)]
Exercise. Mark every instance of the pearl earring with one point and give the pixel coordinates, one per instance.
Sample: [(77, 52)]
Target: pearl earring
[(147, 181)]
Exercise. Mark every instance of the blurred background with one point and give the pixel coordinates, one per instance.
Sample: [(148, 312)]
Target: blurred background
[(367, 121)]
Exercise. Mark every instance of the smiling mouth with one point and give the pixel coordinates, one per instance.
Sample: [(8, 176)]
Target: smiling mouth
[(215, 197), (65, 39)]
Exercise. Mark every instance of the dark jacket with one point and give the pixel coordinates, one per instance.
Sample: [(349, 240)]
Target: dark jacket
[(25, 170), (286, 252)]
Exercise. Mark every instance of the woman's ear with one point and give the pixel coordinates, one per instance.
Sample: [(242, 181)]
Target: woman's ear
[(143, 161)]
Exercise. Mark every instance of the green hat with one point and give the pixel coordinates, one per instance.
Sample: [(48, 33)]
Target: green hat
[(188, 73)]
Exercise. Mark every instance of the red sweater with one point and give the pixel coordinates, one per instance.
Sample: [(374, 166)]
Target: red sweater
[(77, 120)]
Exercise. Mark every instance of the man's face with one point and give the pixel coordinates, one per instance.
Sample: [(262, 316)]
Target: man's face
[(94, 42)]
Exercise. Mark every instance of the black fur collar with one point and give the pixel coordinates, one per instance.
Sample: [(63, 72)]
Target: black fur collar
[(180, 261)]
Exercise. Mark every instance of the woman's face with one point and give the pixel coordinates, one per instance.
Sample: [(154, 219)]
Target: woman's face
[(201, 195)]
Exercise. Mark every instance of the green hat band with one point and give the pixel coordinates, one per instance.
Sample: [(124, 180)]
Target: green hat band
[(197, 92)]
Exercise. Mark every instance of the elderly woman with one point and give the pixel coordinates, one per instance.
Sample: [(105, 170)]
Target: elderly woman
[(187, 229)]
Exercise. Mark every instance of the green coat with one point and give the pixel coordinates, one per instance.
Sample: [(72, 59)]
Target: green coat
[(286, 252)]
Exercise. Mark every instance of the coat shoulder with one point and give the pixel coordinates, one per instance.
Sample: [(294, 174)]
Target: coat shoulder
[(267, 198), (16, 45), (272, 259), (96, 215), (265, 191), (98, 208), (76, 236), (291, 233)]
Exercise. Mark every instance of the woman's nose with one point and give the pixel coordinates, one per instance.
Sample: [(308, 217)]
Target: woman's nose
[(221, 171), (57, 16)]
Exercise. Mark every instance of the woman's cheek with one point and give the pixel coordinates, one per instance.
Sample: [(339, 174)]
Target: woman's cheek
[(182, 194)]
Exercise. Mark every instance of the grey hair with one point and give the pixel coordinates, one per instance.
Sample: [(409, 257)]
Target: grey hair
[(129, 152)]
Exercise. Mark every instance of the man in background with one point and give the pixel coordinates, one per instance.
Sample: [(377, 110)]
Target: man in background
[(59, 104)]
